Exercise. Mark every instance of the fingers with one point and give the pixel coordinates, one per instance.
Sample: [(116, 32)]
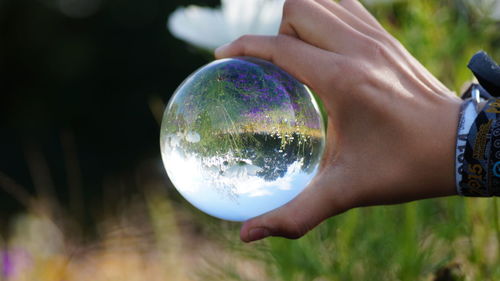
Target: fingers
[(313, 23), (315, 204), (378, 32), (357, 9), (348, 28), (303, 61), (355, 19)]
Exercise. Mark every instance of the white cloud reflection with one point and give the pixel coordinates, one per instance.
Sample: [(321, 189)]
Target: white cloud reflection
[(237, 193)]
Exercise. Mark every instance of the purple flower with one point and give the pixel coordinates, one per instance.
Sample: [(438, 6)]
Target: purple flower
[(13, 261), (7, 265)]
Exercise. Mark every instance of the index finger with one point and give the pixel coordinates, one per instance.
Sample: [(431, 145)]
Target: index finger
[(303, 61)]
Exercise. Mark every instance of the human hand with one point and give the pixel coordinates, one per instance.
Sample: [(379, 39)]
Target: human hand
[(391, 124)]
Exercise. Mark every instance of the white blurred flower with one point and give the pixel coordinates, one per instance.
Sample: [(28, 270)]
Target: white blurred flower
[(209, 28), (495, 12)]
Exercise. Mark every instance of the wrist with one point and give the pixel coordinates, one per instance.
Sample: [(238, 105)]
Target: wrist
[(432, 171), (444, 157)]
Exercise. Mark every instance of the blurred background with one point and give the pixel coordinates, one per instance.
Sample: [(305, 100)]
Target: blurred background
[(83, 192)]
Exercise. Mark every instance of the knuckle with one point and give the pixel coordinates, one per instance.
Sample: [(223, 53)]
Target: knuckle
[(382, 36), (371, 82), (241, 44), (387, 41), (292, 229), (374, 48), (243, 39), (354, 80)]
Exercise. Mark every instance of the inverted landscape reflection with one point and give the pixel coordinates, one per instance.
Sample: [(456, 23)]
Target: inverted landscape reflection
[(241, 137)]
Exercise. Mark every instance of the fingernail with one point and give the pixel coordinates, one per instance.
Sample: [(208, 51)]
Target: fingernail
[(219, 52), (258, 233)]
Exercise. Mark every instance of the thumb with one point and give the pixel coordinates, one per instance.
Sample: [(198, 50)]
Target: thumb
[(294, 219)]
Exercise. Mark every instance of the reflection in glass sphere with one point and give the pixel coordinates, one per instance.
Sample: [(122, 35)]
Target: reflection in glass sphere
[(241, 137)]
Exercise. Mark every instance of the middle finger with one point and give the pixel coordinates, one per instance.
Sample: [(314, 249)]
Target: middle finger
[(316, 25)]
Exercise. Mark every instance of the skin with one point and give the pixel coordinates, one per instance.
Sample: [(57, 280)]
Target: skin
[(392, 124)]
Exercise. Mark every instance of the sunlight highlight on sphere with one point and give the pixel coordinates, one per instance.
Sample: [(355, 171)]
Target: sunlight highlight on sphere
[(241, 137)]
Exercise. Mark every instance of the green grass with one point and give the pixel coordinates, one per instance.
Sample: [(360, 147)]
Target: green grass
[(405, 242)]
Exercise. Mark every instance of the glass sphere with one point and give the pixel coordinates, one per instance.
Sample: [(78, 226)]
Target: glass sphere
[(241, 137)]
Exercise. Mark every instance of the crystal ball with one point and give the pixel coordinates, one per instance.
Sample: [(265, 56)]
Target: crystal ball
[(241, 137)]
